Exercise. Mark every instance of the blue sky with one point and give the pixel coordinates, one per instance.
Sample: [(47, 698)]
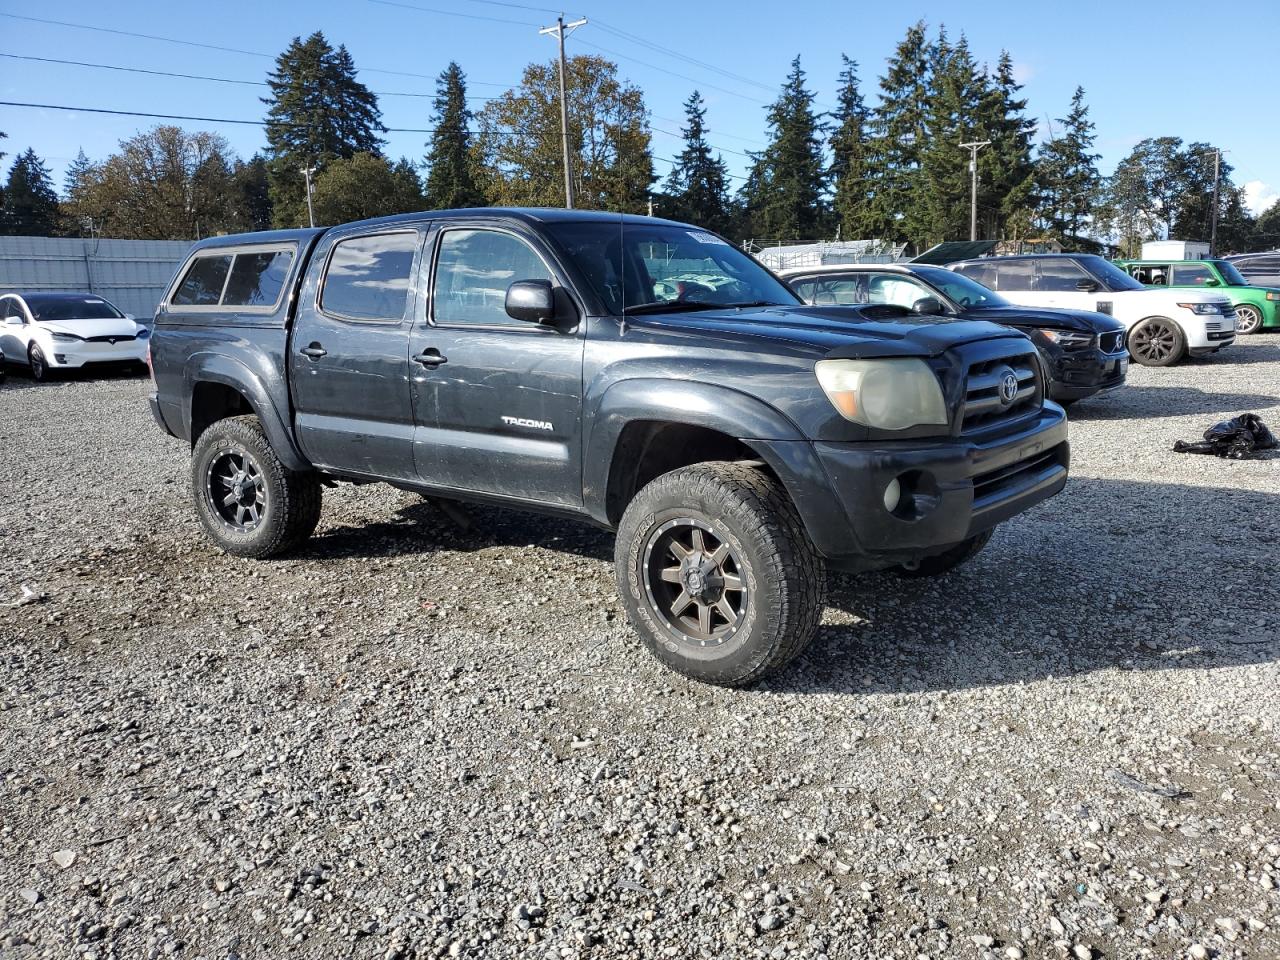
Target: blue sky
[(1179, 69)]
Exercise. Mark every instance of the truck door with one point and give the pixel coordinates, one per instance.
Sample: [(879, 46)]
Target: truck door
[(498, 401), (349, 349)]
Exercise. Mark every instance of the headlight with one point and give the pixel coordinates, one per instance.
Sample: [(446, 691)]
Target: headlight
[(1202, 308), (1067, 339), (143, 333), (885, 394), (59, 337), (1273, 294)]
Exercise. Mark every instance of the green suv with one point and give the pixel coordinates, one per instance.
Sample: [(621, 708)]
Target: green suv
[(1256, 307)]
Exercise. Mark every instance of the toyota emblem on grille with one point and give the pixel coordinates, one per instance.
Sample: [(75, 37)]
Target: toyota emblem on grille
[(1008, 388)]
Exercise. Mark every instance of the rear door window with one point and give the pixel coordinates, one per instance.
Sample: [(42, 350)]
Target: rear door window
[(1191, 275), (202, 286), (1014, 275), (1057, 276), (368, 277)]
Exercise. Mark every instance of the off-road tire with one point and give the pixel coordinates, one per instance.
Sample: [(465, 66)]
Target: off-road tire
[(941, 563), (293, 499), (750, 512)]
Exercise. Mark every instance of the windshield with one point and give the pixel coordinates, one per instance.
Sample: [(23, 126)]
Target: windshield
[(655, 268), (1111, 275), (961, 289), (1230, 275), (72, 308)]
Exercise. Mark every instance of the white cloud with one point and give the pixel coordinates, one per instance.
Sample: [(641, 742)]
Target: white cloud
[(1259, 196), (1022, 71)]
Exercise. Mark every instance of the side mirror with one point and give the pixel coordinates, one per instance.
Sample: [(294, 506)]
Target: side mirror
[(532, 301), (130, 316), (1086, 285), (928, 306), (1211, 282), (13, 321)]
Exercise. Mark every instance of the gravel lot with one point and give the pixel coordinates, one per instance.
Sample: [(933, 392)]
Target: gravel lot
[(408, 742)]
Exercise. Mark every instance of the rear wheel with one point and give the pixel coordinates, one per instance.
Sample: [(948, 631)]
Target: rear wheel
[(250, 503), (717, 574), (1248, 319), (1157, 342), (941, 563)]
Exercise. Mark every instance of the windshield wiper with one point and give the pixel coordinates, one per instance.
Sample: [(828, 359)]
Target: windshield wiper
[(670, 306), (755, 303)]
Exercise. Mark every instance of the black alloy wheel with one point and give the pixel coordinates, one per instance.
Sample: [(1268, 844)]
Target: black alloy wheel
[(236, 489), (1156, 343), (694, 581)]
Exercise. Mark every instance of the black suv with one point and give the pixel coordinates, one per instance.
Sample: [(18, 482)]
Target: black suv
[(634, 373), (1084, 352)]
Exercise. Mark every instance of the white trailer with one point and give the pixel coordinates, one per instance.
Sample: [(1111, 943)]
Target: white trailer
[(1175, 250)]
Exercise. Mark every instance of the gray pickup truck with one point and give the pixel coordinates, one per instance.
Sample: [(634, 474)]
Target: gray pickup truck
[(638, 374)]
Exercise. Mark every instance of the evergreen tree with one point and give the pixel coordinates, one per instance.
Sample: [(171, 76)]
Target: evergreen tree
[(784, 197), (518, 146), (956, 91), (365, 185), (898, 127), (850, 159), (252, 194), (318, 112), (450, 180), (1067, 171), (74, 188), (1266, 233), (1007, 193), (30, 202), (697, 187)]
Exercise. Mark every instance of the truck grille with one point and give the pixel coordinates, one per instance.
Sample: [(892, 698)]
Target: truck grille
[(990, 400), (1111, 342)]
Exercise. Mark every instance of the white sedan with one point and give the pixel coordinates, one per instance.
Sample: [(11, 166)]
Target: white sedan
[(67, 331)]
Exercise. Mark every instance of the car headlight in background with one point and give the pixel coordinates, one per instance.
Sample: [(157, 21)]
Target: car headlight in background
[(884, 394), (1067, 339), (59, 337), (1273, 294), (1202, 308), (143, 333)]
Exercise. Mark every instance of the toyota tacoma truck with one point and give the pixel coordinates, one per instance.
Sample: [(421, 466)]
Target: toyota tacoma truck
[(638, 374)]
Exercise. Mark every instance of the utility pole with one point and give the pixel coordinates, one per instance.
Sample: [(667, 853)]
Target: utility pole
[(973, 149), (311, 214), (1213, 229), (561, 30)]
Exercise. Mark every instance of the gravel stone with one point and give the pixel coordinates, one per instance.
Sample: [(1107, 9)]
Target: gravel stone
[(407, 741)]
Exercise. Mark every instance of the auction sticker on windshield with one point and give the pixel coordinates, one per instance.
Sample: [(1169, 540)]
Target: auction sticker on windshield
[(705, 237)]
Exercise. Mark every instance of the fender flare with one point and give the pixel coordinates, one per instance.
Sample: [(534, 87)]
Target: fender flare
[(209, 367), (687, 402)]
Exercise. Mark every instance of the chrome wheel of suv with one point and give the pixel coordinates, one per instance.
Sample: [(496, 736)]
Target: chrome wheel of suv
[(1248, 319)]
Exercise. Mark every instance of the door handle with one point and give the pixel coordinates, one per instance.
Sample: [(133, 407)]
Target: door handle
[(430, 358), (314, 351)]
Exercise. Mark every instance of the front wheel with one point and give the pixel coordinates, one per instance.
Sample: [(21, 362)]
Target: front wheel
[(250, 504), (941, 563), (717, 574), (38, 364), (1248, 319), (1157, 342)]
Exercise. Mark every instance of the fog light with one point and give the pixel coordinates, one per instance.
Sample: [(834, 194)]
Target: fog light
[(60, 357), (892, 495)]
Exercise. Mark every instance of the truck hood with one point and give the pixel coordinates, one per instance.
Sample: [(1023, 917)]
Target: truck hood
[(104, 327), (1062, 319), (852, 332)]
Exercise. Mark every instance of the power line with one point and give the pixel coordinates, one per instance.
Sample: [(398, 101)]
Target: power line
[(454, 13), (713, 133), (195, 76), (250, 123), (654, 66), (210, 46), (667, 51), (676, 163)]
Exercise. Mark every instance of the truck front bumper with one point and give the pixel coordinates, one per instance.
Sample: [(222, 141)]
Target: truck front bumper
[(947, 490)]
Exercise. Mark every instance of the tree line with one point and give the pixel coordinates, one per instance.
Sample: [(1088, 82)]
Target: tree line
[(891, 169)]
